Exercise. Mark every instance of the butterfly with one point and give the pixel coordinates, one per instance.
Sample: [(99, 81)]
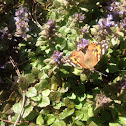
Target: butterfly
[(89, 56)]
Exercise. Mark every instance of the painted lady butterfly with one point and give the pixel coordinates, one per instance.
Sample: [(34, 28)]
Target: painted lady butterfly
[(89, 56)]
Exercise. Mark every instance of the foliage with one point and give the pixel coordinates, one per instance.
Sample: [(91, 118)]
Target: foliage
[(37, 87)]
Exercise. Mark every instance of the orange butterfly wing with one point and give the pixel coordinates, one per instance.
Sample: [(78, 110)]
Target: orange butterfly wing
[(87, 57)]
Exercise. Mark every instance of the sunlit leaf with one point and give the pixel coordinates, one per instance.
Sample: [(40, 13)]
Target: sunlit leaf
[(122, 120), (40, 120), (44, 102), (27, 111), (31, 92), (51, 119), (37, 98), (114, 124), (17, 107), (46, 92), (73, 96), (66, 112)]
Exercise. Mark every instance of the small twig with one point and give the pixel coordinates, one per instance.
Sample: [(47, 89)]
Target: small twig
[(8, 121), (15, 66), (21, 109)]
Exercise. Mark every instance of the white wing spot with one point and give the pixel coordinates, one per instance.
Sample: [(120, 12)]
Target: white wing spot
[(103, 51)]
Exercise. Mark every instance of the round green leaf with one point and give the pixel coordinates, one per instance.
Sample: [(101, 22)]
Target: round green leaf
[(27, 111), (40, 120), (51, 119), (17, 107), (31, 92), (46, 92), (45, 101), (37, 98)]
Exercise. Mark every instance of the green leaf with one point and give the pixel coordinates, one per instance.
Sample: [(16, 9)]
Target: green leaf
[(32, 124), (59, 123), (27, 111), (89, 96), (41, 85), (112, 68), (93, 124), (77, 71), (114, 124), (57, 106), (79, 123), (85, 112), (46, 92), (67, 112), (84, 9), (79, 115), (90, 112), (73, 96), (45, 101), (31, 116), (51, 119), (64, 71), (64, 30), (31, 92), (35, 72), (37, 98), (23, 83), (82, 98), (83, 77), (23, 124), (17, 107), (30, 78), (40, 120), (122, 120), (79, 106)]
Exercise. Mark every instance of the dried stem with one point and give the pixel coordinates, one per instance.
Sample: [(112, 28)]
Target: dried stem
[(21, 109), (15, 66)]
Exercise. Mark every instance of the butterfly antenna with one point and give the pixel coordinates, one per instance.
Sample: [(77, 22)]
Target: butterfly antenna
[(101, 73)]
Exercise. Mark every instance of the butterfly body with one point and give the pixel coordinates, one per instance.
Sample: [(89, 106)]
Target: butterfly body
[(87, 57)]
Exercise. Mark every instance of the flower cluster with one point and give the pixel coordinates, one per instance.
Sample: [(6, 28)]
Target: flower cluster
[(21, 22), (123, 22), (79, 17), (82, 44), (104, 26), (107, 22), (118, 9), (85, 30), (50, 29), (4, 32), (102, 100), (57, 56)]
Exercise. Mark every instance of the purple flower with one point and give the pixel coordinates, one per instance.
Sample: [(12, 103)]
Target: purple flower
[(4, 32), (117, 8), (50, 29), (57, 56), (82, 44), (106, 22), (2, 67), (79, 16), (50, 24), (123, 22), (21, 21)]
